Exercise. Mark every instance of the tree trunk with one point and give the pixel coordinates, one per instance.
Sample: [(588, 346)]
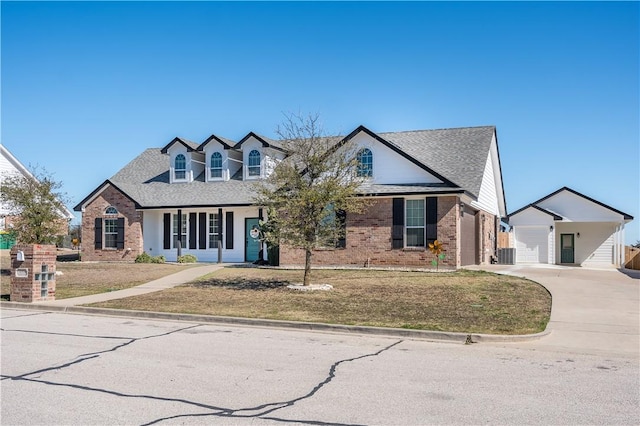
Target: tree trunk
[(307, 267)]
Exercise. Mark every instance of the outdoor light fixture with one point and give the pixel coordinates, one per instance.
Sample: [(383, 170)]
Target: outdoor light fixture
[(578, 235), (461, 209), (551, 228)]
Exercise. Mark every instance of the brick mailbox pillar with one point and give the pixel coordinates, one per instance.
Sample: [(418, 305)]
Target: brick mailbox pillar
[(33, 273)]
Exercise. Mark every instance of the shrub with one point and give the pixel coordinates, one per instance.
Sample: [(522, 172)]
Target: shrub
[(146, 258), (187, 258)]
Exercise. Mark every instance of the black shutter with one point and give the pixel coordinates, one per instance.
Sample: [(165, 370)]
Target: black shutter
[(193, 240), (98, 233), (229, 231), (120, 233), (167, 231), (341, 219), (180, 229), (202, 223), (220, 227), (432, 219), (397, 229)]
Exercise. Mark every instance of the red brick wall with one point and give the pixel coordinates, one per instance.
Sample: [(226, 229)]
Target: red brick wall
[(26, 288), (132, 227), (486, 228), (369, 240)]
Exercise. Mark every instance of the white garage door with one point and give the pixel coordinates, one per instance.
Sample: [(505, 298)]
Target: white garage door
[(532, 244)]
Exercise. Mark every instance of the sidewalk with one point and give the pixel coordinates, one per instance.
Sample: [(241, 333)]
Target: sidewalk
[(163, 283)]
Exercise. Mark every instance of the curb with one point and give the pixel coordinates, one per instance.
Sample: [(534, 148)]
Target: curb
[(291, 325)]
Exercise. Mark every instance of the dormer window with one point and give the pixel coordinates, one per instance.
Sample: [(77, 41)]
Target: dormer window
[(253, 168), (365, 163), (180, 167), (216, 165)]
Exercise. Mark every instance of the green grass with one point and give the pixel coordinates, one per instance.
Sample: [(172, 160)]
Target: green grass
[(462, 301)]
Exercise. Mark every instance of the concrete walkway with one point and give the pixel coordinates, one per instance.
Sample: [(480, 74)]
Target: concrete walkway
[(594, 311), (182, 277)]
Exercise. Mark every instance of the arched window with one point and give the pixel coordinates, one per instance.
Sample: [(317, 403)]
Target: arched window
[(365, 163), (254, 163), (111, 211), (110, 227), (216, 165), (180, 167)]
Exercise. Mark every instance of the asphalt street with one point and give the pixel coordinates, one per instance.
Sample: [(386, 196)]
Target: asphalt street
[(64, 369)]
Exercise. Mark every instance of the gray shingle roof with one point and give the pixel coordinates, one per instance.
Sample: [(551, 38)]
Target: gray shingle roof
[(458, 155), (146, 180)]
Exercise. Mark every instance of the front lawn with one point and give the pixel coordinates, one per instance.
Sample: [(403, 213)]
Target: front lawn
[(462, 301)]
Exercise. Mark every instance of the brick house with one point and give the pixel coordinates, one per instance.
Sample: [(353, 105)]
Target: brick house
[(441, 184)]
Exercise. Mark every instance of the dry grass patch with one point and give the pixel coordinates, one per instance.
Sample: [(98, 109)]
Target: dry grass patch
[(463, 301), (83, 278)]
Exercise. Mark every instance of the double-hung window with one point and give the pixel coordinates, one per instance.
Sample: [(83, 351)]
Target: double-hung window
[(415, 223), (182, 227), (214, 230), (110, 233), (111, 228), (253, 169), (216, 165)]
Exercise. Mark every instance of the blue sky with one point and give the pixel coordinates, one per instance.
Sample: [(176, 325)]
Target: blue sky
[(87, 86)]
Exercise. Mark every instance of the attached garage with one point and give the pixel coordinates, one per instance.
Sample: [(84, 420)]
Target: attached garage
[(568, 228)]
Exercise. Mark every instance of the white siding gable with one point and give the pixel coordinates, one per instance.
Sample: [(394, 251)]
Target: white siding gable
[(578, 209), (210, 148), (8, 167), (490, 196), (194, 163), (390, 167), (531, 217), (269, 158), (248, 146)]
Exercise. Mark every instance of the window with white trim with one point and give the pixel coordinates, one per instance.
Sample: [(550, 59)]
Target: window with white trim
[(214, 231), (253, 168), (183, 227), (180, 167), (216, 165), (110, 228), (414, 223), (365, 162)]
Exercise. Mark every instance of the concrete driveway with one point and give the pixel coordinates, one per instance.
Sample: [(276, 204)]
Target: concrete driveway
[(594, 311)]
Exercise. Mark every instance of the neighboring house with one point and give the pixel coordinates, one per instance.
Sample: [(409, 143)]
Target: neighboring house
[(425, 185), (9, 165), (569, 228)]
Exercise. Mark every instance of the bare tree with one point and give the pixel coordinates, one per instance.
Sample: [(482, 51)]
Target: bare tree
[(308, 193), (37, 206)]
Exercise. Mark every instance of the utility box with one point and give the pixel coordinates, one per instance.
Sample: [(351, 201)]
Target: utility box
[(33, 273)]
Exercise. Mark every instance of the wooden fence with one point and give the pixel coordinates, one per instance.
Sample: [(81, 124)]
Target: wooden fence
[(504, 240), (632, 257)]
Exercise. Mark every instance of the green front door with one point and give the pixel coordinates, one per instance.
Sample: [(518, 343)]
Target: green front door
[(567, 248), (252, 239)]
